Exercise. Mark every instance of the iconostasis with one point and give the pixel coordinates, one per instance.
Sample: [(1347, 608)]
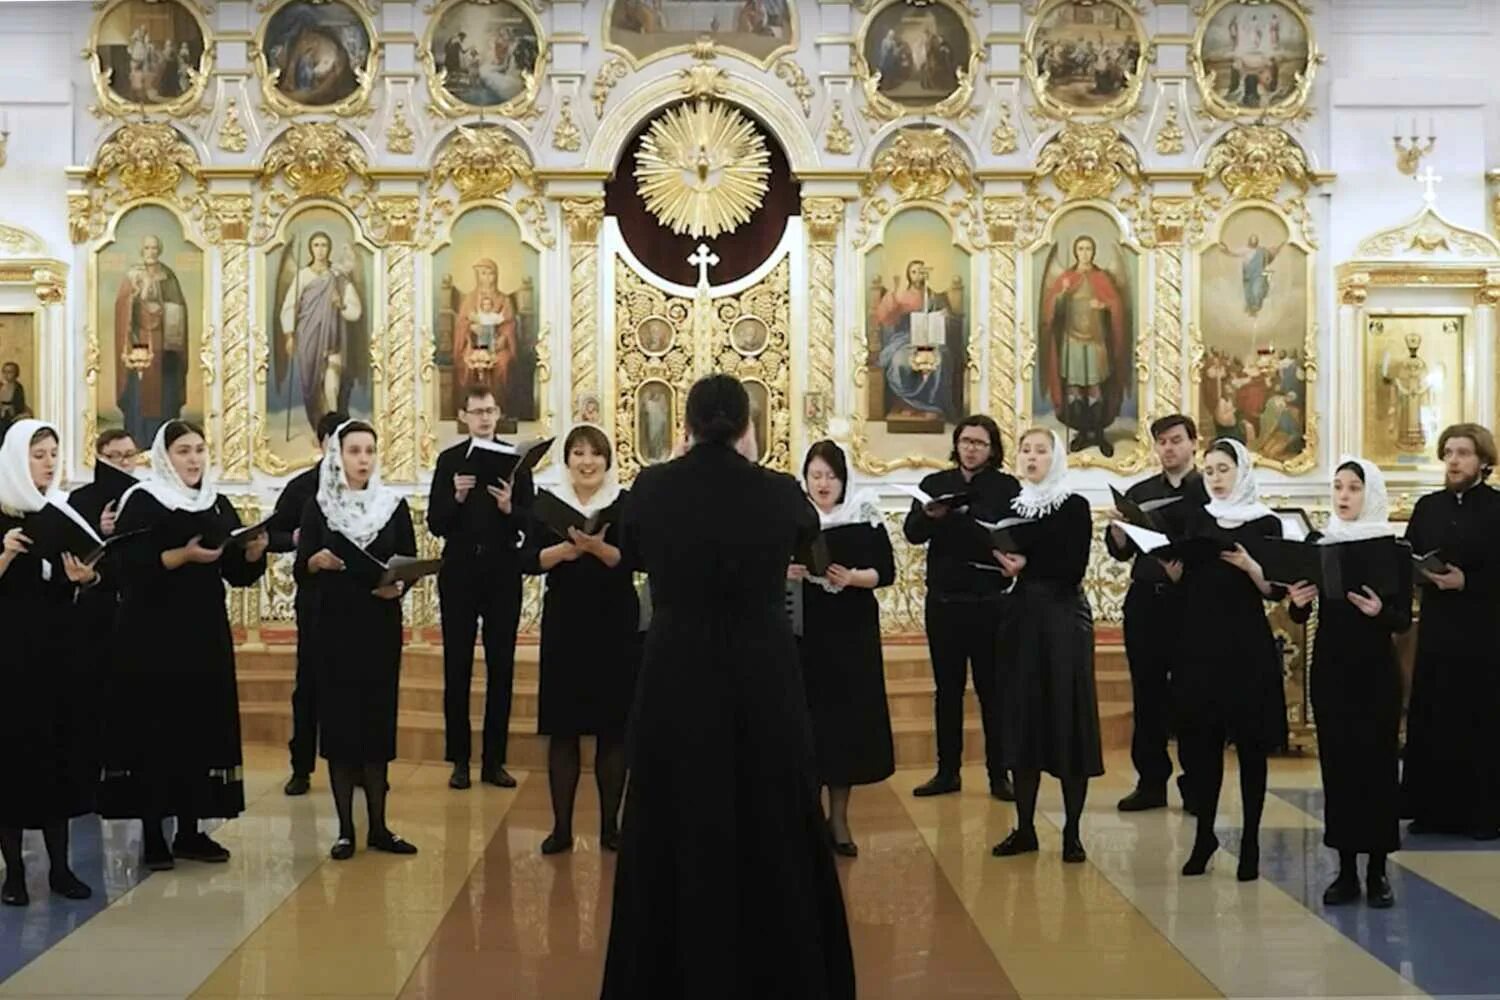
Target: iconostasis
[(880, 215)]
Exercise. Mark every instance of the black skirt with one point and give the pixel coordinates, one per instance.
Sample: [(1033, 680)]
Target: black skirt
[(843, 671)]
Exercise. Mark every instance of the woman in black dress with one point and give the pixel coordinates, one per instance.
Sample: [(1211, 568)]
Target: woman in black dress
[(1356, 691), (1229, 685), (47, 764), (842, 666), (1450, 776), (172, 728), (1046, 662), (590, 642), (726, 886), (358, 650)]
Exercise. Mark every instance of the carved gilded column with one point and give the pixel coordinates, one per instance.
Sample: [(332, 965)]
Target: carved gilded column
[(824, 219), (1169, 219), (583, 217), (1001, 217), (396, 360), (229, 225)]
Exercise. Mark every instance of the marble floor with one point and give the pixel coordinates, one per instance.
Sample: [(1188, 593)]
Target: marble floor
[(480, 913)]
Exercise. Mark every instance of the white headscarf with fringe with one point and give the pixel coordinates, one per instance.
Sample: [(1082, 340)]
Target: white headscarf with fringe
[(1040, 499)]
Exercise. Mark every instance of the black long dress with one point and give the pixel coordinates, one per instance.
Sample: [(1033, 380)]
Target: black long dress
[(1356, 697), (48, 770), (1451, 778), (1230, 675), (172, 723), (358, 652), (726, 885), (1046, 653), (843, 669), (590, 655)]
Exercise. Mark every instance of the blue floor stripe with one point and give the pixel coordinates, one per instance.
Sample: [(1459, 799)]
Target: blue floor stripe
[(1310, 801), (27, 932)]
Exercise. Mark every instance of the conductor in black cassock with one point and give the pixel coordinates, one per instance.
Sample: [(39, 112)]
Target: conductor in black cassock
[(1451, 781), (726, 884)]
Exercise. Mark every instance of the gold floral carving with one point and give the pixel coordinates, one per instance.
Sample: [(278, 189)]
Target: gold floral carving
[(903, 604), (19, 242), (824, 219), (1001, 213), (398, 424), (231, 137), (1255, 161), (609, 77), (567, 137), (51, 287), (395, 218), (317, 159), (956, 106), (1089, 161), (635, 302), (788, 72), (583, 217), (399, 137), (920, 163), (703, 169), (227, 219), (770, 301), (234, 447), (139, 160), (1170, 135), (1166, 324), (1004, 138), (1429, 234), (837, 139), (486, 162)]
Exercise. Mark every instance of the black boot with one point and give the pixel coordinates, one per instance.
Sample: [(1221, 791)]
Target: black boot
[(1099, 424), (941, 783), (1076, 418)]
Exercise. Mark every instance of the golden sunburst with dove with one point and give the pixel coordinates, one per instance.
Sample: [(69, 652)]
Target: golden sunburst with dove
[(703, 169)]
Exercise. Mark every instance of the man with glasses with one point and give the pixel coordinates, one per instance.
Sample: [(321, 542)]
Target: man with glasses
[(480, 579), (965, 601), (115, 454), (286, 522)]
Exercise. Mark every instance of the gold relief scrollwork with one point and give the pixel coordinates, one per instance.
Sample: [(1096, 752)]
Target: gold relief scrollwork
[(957, 106), (636, 302), (484, 162), (140, 160), (399, 137), (1106, 579), (1004, 138), (567, 137), (522, 107), (770, 301), (824, 219), (703, 78), (1257, 162), (395, 218), (91, 389), (1088, 161), (1428, 234), (310, 160), (837, 139), (903, 604), (1002, 214), (583, 216), (356, 104), (231, 136), (920, 164), (1292, 108), (791, 74), (185, 105), (1170, 136), (243, 603), (609, 76)]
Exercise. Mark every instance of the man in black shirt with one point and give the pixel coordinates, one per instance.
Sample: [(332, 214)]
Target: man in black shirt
[(481, 579), (1153, 625), (286, 521), (964, 602)]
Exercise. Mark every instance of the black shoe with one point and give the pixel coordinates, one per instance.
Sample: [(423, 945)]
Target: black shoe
[(555, 844), (939, 784), (343, 849), (157, 859), (1003, 790), (1343, 890), (298, 784), (845, 849), (14, 893), (1486, 834), (460, 777), (1073, 852), (1249, 866), (1105, 448), (1378, 892), (200, 847), (1197, 863), (390, 844), (497, 776), (67, 885), (1019, 842), (610, 840), (1142, 799)]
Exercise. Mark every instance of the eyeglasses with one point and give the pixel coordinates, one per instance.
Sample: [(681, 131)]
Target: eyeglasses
[(972, 443), (119, 456), (483, 411)]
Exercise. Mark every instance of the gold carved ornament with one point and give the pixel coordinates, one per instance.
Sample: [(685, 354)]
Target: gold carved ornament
[(485, 162), (1003, 215), (837, 139), (1254, 161), (399, 137), (567, 137), (768, 301), (1170, 135), (583, 217), (609, 77), (1089, 161), (1004, 138), (824, 218), (788, 72), (637, 302), (703, 169), (231, 136), (920, 163), (139, 160), (310, 160)]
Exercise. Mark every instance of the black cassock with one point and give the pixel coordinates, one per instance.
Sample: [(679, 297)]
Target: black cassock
[(47, 766), (842, 665), (172, 716), (726, 885), (1046, 653), (98, 605), (357, 658), (1229, 677), (591, 651), (1356, 697), (1451, 781)]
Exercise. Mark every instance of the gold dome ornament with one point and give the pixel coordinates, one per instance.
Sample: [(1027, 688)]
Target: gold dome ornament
[(702, 169)]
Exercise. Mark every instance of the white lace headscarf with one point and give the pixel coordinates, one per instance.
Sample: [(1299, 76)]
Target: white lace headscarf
[(1374, 518), (608, 491), (167, 486), (1040, 499), (358, 515), (1243, 503)]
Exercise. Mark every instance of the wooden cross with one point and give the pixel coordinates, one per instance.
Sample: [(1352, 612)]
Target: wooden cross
[(1429, 181), (703, 258)]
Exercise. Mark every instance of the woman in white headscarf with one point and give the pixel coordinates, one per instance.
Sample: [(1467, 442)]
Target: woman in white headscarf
[(1228, 687), (843, 669), (591, 650), (172, 728), (1356, 687), (46, 752), (355, 526), (1046, 646)]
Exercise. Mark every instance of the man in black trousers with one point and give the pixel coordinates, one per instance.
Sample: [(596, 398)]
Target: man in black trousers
[(286, 521), (965, 604), (1153, 616), (481, 579)]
